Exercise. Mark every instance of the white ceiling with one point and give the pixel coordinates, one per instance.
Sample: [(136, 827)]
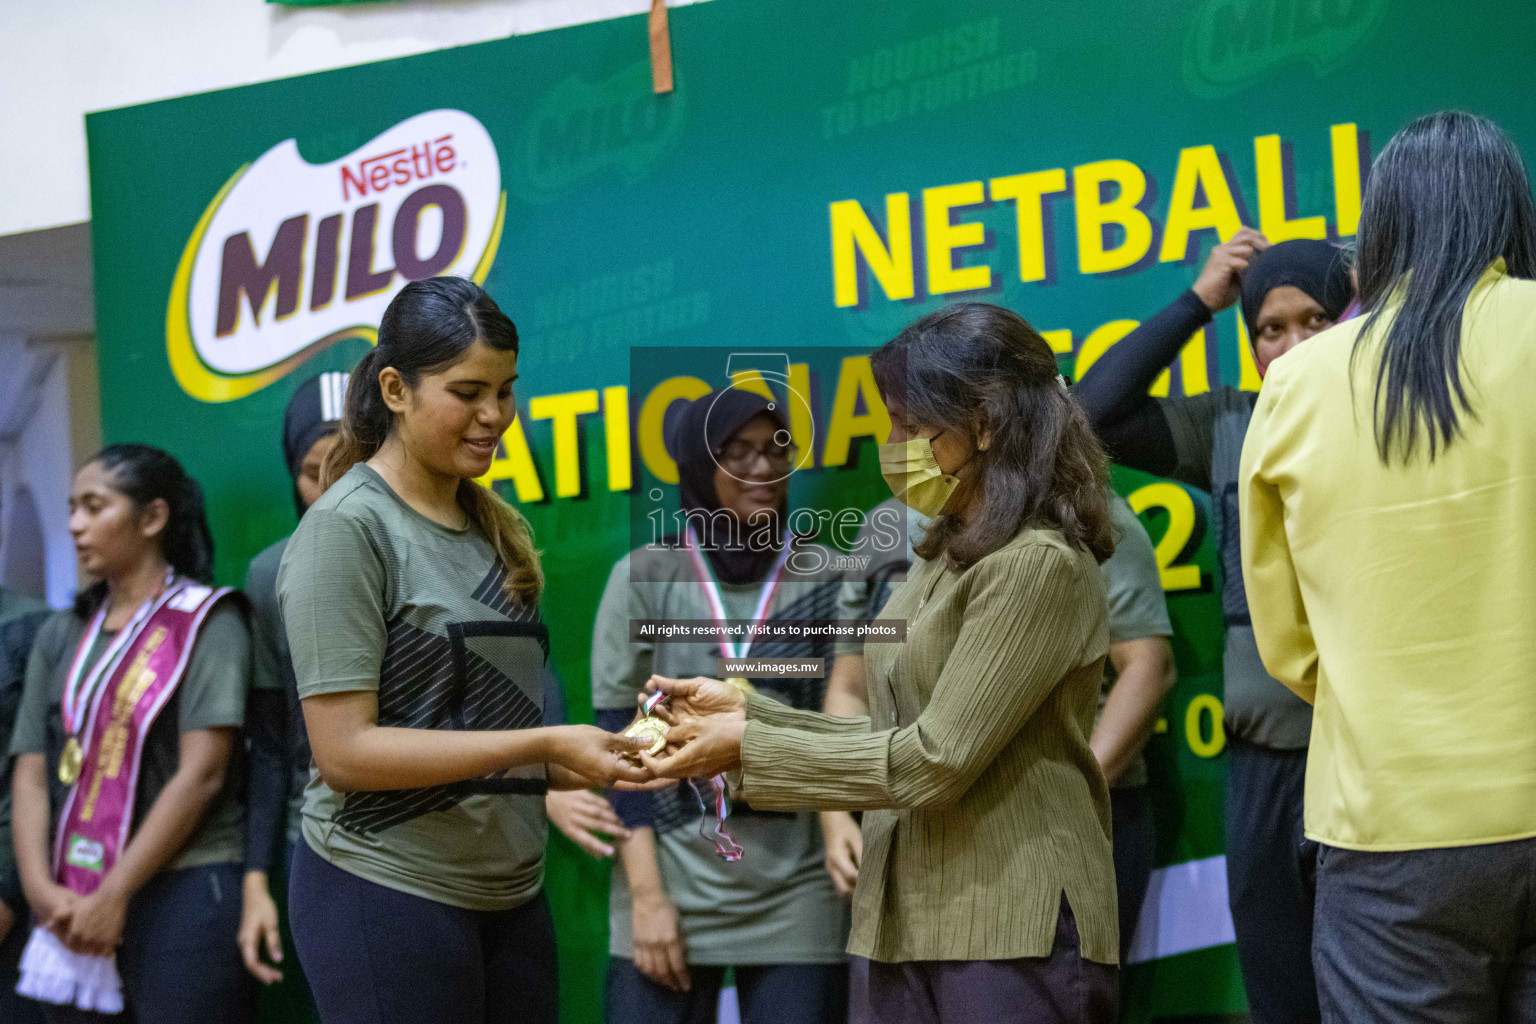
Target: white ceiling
[(62, 59)]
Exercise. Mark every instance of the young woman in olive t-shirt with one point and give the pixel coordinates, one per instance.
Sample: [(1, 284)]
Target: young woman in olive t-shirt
[(409, 595)]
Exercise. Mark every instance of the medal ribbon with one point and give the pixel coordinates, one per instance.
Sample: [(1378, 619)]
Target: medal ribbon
[(727, 847), (78, 692), (717, 606)]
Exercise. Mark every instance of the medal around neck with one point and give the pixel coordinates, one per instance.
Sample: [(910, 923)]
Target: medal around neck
[(71, 760), (80, 685)]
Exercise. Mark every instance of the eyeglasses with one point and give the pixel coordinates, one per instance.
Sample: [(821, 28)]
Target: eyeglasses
[(740, 456)]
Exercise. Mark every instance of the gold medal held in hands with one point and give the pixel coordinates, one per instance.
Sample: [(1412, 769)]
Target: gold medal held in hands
[(651, 728), (71, 761)]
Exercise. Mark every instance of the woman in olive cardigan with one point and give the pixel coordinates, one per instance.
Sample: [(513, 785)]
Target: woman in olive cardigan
[(987, 891)]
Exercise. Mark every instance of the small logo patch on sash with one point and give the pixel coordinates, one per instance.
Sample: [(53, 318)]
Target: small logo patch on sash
[(85, 853)]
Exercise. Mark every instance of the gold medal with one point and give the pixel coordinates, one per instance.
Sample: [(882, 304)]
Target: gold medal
[(654, 728), (71, 761)]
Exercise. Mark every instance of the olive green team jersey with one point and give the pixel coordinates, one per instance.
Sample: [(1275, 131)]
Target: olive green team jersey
[(376, 596)]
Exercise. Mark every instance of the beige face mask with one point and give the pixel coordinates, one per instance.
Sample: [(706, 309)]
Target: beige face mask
[(915, 477)]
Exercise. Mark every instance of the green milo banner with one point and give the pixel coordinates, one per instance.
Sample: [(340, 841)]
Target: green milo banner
[(822, 175)]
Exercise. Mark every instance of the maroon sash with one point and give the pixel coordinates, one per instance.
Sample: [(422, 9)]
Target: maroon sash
[(93, 829)]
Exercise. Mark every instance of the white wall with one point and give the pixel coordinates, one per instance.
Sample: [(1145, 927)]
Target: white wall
[(63, 58), (35, 454), (59, 60)]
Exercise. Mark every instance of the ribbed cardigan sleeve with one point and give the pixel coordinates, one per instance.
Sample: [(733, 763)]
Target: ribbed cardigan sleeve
[(770, 712), (1028, 618)]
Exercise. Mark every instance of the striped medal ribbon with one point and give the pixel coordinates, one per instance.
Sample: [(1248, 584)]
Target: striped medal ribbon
[(725, 845), (80, 687)]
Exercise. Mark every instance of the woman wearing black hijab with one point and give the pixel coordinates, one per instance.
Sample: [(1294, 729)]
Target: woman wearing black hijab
[(1290, 291), (680, 912), (279, 746)]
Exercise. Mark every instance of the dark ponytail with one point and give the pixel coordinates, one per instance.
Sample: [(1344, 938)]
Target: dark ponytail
[(145, 474), (428, 327), (365, 421)]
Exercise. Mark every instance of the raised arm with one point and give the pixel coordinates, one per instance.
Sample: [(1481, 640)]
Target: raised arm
[(1115, 387), (1114, 390)]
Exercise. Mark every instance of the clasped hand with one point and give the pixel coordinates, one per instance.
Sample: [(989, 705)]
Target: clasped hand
[(706, 719)]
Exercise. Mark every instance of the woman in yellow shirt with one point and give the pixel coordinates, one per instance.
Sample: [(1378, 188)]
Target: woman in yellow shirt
[(1387, 488)]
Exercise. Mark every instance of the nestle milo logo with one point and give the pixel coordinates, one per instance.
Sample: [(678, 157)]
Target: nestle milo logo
[(85, 853), (291, 257), (583, 129), (1232, 42)]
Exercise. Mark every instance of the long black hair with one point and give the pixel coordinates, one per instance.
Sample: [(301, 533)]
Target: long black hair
[(974, 368), (427, 328), (145, 474), (1448, 196)]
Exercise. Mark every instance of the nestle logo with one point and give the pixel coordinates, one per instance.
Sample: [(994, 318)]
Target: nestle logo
[(375, 174), (1232, 42), (284, 263)]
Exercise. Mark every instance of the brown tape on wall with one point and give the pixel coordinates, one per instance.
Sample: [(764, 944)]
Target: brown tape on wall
[(661, 48)]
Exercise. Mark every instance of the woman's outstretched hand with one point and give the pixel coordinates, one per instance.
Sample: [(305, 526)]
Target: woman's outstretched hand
[(596, 756), (697, 696), (706, 720)]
